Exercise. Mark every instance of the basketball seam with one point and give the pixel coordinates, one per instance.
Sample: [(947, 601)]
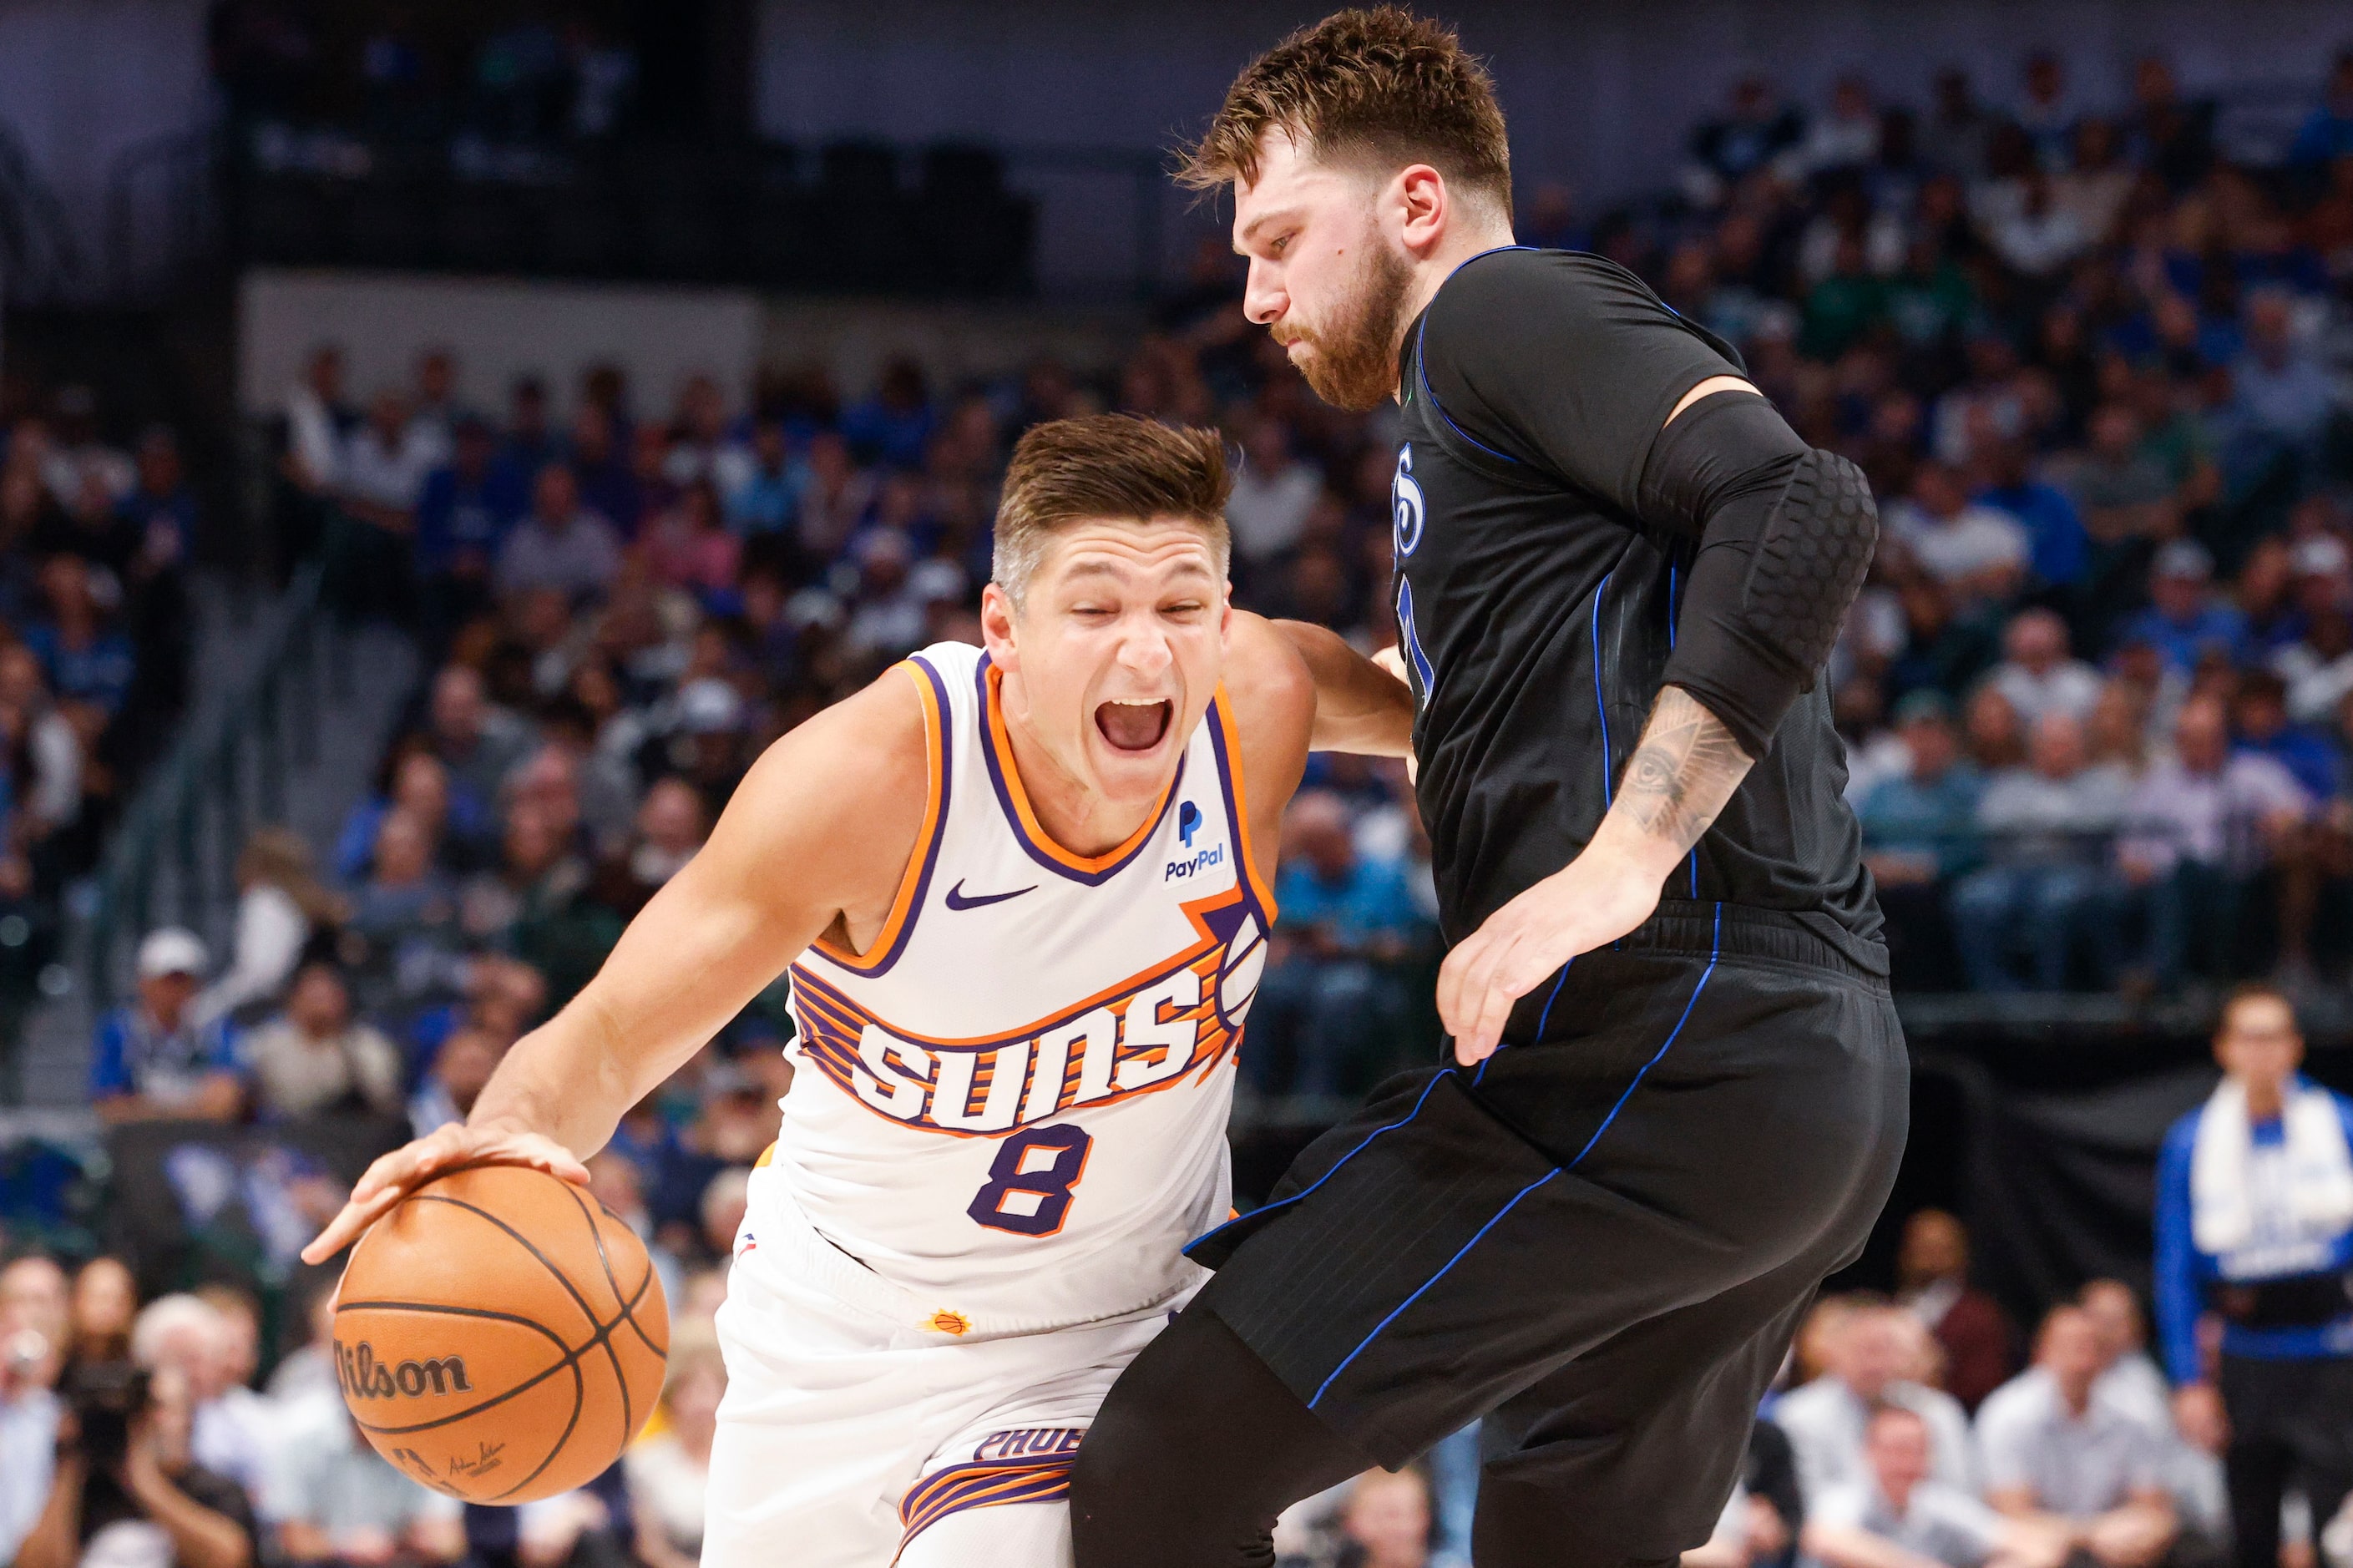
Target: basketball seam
[(522, 1241), (569, 1358), (596, 1234)]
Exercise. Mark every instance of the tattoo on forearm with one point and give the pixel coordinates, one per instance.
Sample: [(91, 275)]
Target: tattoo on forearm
[(1685, 769)]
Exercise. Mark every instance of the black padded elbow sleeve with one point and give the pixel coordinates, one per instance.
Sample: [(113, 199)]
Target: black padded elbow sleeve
[(1785, 535)]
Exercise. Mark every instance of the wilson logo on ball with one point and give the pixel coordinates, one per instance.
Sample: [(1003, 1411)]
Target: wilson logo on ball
[(364, 1378)]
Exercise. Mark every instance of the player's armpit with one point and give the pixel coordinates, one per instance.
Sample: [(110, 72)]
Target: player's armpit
[(1359, 706)]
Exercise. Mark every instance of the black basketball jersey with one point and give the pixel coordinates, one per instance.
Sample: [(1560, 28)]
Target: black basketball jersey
[(1536, 602)]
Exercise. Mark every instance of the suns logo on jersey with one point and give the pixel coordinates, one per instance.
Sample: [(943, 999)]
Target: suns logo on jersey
[(1180, 1016)]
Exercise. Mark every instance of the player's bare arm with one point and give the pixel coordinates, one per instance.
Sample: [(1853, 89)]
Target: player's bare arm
[(814, 843), (1360, 706), (1275, 705)]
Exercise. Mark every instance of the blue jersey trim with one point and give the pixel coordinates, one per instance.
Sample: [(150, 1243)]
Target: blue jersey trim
[(1600, 710), (1430, 397), (1335, 1170), (1715, 949)]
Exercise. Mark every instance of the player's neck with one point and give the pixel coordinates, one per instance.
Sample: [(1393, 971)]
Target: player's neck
[(1076, 816), (1462, 241)]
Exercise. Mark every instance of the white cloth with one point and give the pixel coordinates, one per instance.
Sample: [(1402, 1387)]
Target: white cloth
[(2264, 1213), (670, 1487), (270, 931), (1269, 512), (2070, 687), (842, 1411), (1939, 1522)]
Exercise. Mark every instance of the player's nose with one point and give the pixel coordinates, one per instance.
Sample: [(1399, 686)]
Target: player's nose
[(1145, 650), (1263, 297)]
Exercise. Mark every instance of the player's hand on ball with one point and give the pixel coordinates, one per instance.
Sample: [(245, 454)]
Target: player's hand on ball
[(1592, 900), (405, 1169)]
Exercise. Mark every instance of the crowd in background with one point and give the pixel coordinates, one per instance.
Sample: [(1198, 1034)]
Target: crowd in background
[(95, 627), (2098, 695)]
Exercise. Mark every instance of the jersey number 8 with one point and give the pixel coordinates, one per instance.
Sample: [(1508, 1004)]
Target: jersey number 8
[(1028, 1190)]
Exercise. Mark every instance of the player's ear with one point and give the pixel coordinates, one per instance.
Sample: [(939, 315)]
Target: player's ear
[(996, 622), (1422, 205)]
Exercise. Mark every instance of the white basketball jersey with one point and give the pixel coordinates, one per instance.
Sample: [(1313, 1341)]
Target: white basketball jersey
[(1013, 1105)]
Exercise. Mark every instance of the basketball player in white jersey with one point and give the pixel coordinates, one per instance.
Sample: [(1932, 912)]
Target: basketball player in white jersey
[(1023, 892)]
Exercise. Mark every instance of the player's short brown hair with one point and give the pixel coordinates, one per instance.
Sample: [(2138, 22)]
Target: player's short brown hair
[(1106, 466), (1379, 85)]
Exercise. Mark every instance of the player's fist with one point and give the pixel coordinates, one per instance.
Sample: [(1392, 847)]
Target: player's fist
[(453, 1148)]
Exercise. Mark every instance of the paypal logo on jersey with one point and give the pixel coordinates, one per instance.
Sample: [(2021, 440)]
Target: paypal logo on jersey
[(1188, 821)]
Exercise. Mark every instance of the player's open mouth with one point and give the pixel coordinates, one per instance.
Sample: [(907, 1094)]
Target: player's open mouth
[(1134, 726)]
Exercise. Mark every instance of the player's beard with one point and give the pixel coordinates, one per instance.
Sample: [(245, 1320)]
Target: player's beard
[(1351, 359)]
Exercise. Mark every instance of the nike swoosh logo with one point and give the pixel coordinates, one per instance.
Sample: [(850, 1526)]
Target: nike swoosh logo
[(956, 900)]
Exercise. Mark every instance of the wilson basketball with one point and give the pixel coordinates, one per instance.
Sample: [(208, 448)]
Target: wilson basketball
[(500, 1336)]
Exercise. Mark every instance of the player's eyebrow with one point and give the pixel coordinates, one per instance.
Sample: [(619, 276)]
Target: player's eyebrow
[(1280, 215)]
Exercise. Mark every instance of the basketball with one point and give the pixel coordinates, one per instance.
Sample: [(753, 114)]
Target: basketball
[(500, 1336)]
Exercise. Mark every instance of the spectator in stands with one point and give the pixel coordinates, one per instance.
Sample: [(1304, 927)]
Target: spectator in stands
[(1953, 134), (2130, 1378), (1272, 495), (1932, 1268), (688, 545), (1386, 1520), (318, 421), (2046, 113), (669, 1471), (670, 827), (2056, 549), (2039, 674), (2045, 825), (1895, 1514), (2282, 400), (461, 1070), (89, 660), (104, 1304), (2202, 824), (384, 470), (893, 426), (560, 544), (317, 1059), (32, 1345), (463, 514), (2121, 488), (436, 413), (101, 1511), (183, 1336), (1919, 829), (2059, 1453), (476, 740), (2254, 1228), (346, 1505), (1328, 998), (406, 897), (2262, 728), (2184, 616), (765, 501), (1868, 1351), (280, 905), (1726, 151), (151, 1060), (1979, 553)]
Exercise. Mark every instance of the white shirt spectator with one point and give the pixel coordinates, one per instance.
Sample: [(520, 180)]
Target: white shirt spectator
[(2070, 687), (1825, 1421), (1939, 1522), (1973, 541), (2078, 1466), (2210, 817), (581, 556), (270, 931), (28, 1441), (1271, 496), (387, 473)]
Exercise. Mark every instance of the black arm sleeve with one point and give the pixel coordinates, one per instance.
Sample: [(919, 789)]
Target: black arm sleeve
[(1786, 534)]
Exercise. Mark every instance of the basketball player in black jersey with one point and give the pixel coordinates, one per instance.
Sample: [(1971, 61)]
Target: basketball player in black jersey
[(1676, 1092)]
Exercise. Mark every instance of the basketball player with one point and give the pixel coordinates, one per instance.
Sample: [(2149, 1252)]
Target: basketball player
[(1023, 894), (1619, 575)]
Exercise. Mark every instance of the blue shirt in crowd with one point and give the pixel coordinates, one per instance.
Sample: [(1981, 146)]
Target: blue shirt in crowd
[(1934, 819), (135, 1054), (2180, 642), (1372, 901), (2058, 550), (2302, 753), (99, 672), (455, 514)]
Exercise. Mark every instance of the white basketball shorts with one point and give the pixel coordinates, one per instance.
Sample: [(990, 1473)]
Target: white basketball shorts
[(856, 1434)]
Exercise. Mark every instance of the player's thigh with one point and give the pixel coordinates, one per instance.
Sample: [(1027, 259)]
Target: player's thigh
[(1022, 1535), (1639, 1440), (821, 1428)]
